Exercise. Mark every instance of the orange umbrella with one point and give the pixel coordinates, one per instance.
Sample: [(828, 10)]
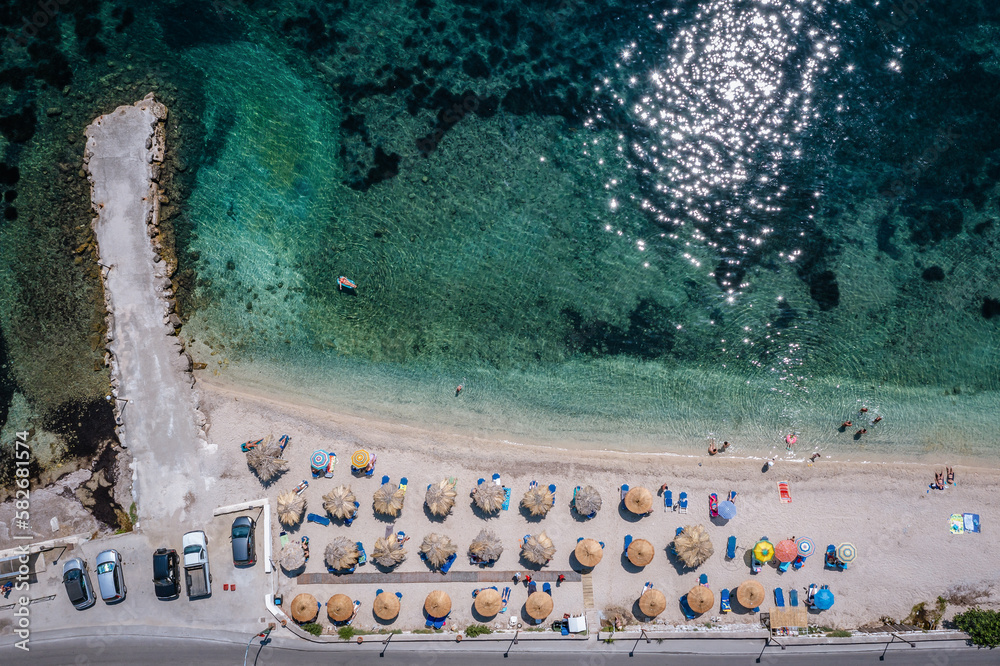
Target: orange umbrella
[(786, 550), (639, 500)]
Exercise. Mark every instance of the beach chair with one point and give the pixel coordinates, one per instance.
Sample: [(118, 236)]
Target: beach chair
[(798, 562), (731, 548), (505, 597), (316, 518), (755, 564), (480, 482), (547, 589), (732, 496), (682, 503), (686, 609), (532, 485), (283, 537), (532, 588), (385, 480), (524, 540), (446, 567), (628, 542), (362, 555), (786, 497), (357, 605), (402, 484), (552, 489), (496, 478), (793, 597), (624, 491), (379, 591), (830, 562), (348, 521), (401, 536), (602, 544), (332, 466), (371, 472), (646, 588), (703, 580), (399, 595), (668, 499), (779, 597), (724, 604), (713, 506), (811, 594), (430, 623), (783, 567)]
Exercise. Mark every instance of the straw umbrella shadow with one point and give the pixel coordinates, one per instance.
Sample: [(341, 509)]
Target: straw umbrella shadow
[(529, 517), (627, 515), (637, 612), (627, 564), (676, 562)]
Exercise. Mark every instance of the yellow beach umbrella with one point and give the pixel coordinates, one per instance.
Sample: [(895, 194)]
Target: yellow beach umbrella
[(700, 599), (360, 459), (652, 603), (763, 551)]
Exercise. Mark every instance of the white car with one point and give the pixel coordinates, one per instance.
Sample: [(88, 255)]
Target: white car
[(196, 573)]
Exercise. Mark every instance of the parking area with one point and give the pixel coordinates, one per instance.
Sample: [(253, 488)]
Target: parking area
[(238, 608)]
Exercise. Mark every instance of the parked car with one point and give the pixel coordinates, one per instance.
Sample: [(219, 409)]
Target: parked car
[(110, 577), (166, 573), (199, 578), (78, 585), (244, 544)]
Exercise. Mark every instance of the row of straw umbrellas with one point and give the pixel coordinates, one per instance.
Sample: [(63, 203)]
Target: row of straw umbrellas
[(340, 607), (440, 499), (701, 599)]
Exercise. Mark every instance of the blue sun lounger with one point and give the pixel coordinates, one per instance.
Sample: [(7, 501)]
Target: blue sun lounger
[(628, 542), (682, 503), (385, 480), (686, 608), (480, 482), (506, 499), (793, 597), (316, 518), (547, 589), (362, 555), (703, 580), (446, 567), (731, 548), (496, 478), (668, 499), (724, 605), (348, 521), (552, 489), (779, 597)]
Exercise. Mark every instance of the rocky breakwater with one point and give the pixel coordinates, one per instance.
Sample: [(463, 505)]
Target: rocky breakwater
[(156, 406)]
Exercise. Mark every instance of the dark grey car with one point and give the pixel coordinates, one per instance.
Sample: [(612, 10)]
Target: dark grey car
[(244, 544), (166, 573), (78, 586)]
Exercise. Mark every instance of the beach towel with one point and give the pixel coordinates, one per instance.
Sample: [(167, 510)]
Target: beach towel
[(506, 499), (971, 522), (284, 539), (956, 524), (786, 497)]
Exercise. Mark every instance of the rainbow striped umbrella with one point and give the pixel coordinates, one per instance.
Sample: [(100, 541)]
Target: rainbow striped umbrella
[(360, 459), (320, 459), (806, 546), (846, 552)]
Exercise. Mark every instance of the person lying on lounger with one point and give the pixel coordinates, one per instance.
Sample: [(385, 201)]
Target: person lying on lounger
[(951, 476)]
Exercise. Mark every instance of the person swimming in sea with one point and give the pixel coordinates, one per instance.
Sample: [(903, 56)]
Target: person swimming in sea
[(711, 448), (458, 389), (846, 424)]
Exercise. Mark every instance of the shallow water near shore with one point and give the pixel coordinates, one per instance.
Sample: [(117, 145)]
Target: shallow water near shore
[(617, 226)]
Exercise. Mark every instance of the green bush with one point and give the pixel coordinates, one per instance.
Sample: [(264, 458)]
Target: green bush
[(983, 626), (838, 633), (313, 628), (474, 630), (346, 633)]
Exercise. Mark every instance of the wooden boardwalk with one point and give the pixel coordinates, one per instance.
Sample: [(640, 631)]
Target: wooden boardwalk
[(483, 576)]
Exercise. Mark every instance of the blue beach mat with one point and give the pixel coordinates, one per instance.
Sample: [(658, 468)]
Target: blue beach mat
[(506, 499), (971, 522)]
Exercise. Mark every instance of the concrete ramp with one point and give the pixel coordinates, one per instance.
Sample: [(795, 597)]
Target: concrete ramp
[(155, 404)]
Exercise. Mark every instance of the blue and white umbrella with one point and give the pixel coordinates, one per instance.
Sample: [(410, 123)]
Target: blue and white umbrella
[(806, 546), (727, 510), (824, 599)]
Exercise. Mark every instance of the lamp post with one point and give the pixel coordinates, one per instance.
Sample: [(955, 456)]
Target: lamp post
[(263, 634)]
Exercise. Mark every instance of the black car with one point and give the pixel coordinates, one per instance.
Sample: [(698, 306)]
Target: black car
[(166, 573), (244, 547)]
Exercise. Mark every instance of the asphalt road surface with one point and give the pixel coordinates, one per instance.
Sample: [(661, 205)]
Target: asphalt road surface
[(130, 651)]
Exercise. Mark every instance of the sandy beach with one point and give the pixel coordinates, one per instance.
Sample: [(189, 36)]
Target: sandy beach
[(906, 554)]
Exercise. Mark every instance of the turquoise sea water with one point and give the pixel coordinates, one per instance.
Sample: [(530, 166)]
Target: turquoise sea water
[(632, 225)]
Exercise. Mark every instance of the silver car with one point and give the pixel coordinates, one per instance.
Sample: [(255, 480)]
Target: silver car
[(110, 579), (78, 586)]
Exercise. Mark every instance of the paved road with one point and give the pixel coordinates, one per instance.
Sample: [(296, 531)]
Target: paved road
[(114, 651)]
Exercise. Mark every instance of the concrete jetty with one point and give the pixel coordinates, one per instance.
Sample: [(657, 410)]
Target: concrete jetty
[(152, 388)]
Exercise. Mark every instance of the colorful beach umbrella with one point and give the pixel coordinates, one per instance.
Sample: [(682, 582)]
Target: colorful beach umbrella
[(805, 546), (360, 459), (763, 551), (727, 510), (846, 552), (786, 550), (824, 599), (320, 459)]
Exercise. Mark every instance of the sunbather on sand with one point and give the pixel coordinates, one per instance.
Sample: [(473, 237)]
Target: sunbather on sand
[(951, 475)]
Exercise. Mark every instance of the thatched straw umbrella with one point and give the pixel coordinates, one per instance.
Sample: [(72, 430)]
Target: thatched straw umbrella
[(342, 553), (639, 500), (340, 607), (640, 552), (339, 502), (537, 501), (292, 556), (693, 545), (701, 599), (266, 462), (437, 604), (539, 605), (388, 500), (750, 594), (587, 501), (489, 497), (488, 602), (440, 497), (386, 606), (589, 552), (291, 506), (388, 552), (486, 547), (538, 549), (652, 603), (437, 548), (305, 608)]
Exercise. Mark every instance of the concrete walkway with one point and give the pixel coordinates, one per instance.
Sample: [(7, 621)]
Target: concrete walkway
[(398, 578), (155, 401)]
